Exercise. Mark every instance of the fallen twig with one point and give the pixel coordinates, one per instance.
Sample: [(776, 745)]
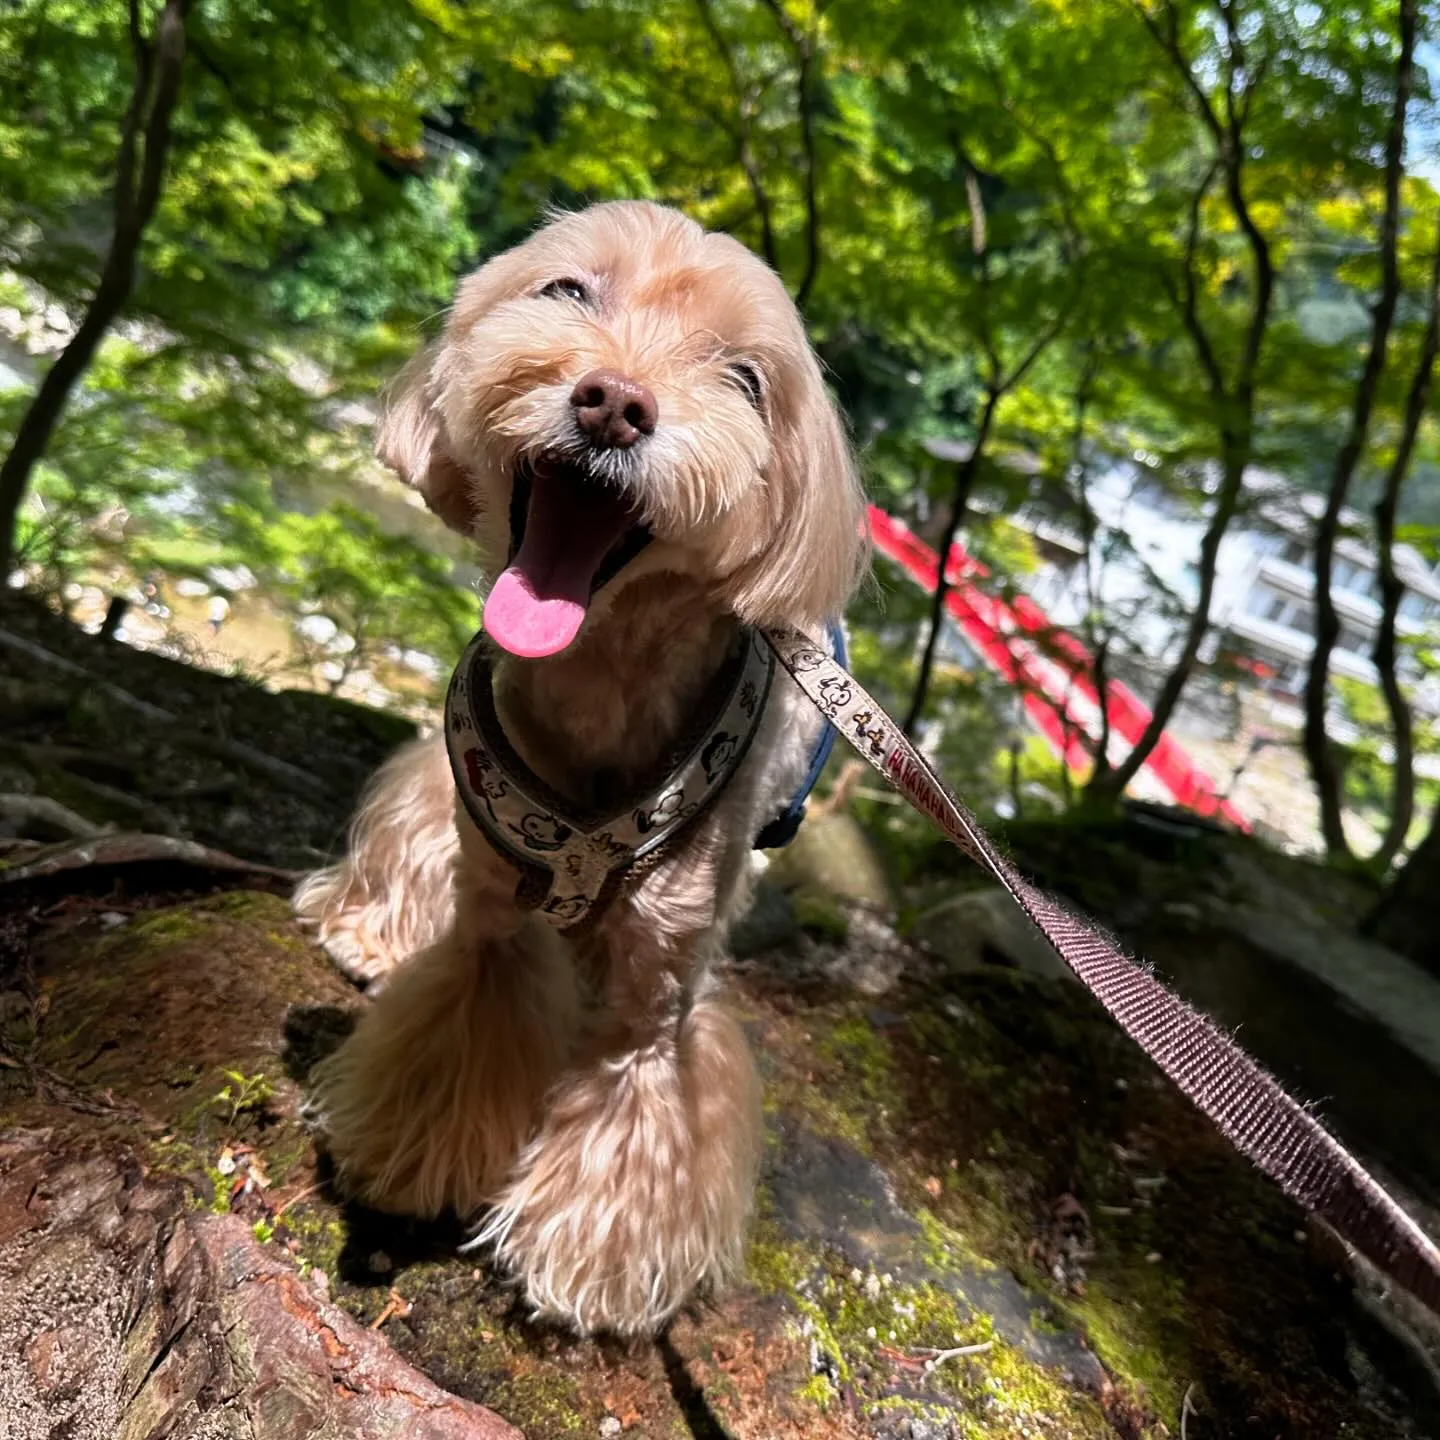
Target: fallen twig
[(1186, 1411), (128, 848), (28, 810), (397, 1304), (295, 1199), (52, 661), (939, 1357)]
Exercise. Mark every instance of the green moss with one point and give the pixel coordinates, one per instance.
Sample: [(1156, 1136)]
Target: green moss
[(819, 1391), (544, 1404), (191, 1163), (287, 1147), (194, 920), (251, 905), (220, 1190), (775, 1267), (947, 1250), (183, 922), (822, 1112), (818, 914), (1021, 1393), (321, 1235), (1129, 1334), (866, 1062), (860, 1321)]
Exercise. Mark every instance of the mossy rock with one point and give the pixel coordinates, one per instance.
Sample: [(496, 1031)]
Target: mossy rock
[(833, 856), (1009, 1130), (161, 1012), (1039, 1199), (818, 914)]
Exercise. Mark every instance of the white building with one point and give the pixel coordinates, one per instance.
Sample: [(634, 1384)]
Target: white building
[(1263, 603)]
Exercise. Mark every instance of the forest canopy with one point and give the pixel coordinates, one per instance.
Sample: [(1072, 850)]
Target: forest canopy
[(1033, 243)]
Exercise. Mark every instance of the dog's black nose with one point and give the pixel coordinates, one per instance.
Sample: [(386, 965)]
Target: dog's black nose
[(612, 410)]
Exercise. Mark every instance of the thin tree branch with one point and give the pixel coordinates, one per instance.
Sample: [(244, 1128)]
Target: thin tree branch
[(1319, 751), (1234, 62), (965, 473), (976, 205), (132, 124), (1041, 342), (139, 48), (998, 383), (1168, 40), (1392, 589), (1189, 298), (1073, 243), (744, 111), (980, 248), (1235, 404), (209, 62), (803, 44), (135, 203), (170, 64), (1098, 646)]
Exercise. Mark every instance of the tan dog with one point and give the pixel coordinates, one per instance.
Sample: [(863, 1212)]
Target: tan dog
[(649, 391)]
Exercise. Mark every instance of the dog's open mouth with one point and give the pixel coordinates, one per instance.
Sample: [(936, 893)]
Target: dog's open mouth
[(569, 535)]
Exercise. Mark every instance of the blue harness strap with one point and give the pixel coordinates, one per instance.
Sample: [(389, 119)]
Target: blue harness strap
[(786, 825)]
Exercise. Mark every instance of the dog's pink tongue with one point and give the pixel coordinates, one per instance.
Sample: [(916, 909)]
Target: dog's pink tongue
[(537, 606)]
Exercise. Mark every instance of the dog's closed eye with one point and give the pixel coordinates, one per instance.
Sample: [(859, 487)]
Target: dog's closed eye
[(749, 380), (566, 288)]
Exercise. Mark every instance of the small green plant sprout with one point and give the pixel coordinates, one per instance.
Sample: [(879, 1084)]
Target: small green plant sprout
[(243, 1093)]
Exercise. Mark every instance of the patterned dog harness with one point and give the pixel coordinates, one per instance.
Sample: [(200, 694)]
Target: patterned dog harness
[(572, 860)]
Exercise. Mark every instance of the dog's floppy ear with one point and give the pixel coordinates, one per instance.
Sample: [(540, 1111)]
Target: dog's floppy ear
[(412, 442), (812, 559)]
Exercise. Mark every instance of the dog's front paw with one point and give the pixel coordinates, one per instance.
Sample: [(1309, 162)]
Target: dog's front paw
[(636, 1191), (358, 959), (427, 1105)]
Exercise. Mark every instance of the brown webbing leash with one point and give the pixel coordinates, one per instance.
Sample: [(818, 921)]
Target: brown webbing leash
[(1249, 1107)]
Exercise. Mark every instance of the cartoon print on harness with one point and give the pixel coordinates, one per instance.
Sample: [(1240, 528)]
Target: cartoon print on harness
[(542, 832), (566, 907), (484, 779), (671, 806), (836, 692), (718, 754), (604, 843), (749, 698), (874, 733)]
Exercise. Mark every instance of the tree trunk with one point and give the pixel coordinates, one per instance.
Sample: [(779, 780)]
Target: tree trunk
[(1234, 403), (146, 1289), (1099, 645), (1319, 752), (960, 498), (1108, 785), (1402, 801), (1407, 919), (802, 43), (134, 206), (170, 1320)]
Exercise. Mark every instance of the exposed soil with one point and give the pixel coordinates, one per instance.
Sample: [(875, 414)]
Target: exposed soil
[(266, 775)]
